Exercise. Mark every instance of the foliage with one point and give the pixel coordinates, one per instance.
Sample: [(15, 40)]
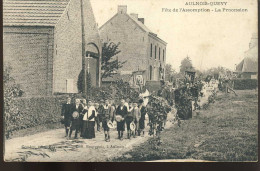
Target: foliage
[(80, 83), (35, 111), (244, 84), (186, 65), (169, 73), (157, 108), (11, 91), (109, 64), (117, 91)]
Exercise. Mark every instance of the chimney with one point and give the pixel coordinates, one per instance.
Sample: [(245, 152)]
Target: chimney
[(141, 20), (122, 9), (134, 15)]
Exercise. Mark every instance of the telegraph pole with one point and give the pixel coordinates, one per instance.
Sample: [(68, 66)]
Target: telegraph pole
[(88, 90), (83, 49)]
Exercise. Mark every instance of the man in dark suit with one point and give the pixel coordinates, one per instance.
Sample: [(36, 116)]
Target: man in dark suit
[(121, 110), (79, 108), (66, 114)]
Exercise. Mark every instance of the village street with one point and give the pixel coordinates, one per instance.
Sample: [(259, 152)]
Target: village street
[(53, 146), (71, 150)]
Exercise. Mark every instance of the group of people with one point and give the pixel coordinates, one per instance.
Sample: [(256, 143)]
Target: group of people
[(82, 116)]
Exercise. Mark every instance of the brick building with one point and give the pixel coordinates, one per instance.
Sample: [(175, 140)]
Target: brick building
[(43, 41), (141, 48)]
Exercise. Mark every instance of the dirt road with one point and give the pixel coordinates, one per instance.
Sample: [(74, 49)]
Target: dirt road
[(52, 146)]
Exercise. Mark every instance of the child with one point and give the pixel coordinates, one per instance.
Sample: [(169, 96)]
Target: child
[(105, 120), (75, 125), (129, 118)]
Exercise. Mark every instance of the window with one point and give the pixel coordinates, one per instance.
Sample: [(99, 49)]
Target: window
[(151, 53), (154, 52), (159, 53), (151, 72), (163, 54)]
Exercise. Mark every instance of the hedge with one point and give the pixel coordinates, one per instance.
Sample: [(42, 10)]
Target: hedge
[(35, 111), (245, 84)]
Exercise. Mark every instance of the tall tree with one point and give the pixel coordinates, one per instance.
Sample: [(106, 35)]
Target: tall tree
[(169, 73), (110, 63), (186, 65)]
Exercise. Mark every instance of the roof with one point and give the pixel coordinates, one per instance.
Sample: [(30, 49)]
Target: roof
[(33, 12), (143, 27), (137, 22), (140, 24), (250, 62)]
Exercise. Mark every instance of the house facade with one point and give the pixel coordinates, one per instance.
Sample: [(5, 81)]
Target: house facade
[(141, 48), (248, 67), (46, 42)]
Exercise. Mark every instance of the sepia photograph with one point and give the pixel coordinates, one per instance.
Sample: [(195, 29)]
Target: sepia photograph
[(130, 81)]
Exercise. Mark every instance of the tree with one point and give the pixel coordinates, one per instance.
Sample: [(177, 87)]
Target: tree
[(110, 63), (169, 72), (186, 65)]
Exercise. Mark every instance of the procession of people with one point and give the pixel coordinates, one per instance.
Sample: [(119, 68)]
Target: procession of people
[(83, 116)]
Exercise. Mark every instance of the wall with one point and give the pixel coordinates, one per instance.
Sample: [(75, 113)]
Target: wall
[(135, 45), (29, 50), (68, 44), (68, 48), (156, 62), (133, 41)]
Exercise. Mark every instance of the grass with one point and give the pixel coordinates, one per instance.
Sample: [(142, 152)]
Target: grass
[(226, 131)]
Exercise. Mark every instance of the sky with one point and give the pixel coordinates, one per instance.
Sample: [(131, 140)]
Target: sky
[(209, 39)]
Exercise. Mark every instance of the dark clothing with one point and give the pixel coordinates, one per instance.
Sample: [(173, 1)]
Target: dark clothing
[(128, 120), (123, 113), (66, 111), (100, 116), (79, 110), (104, 124), (106, 118), (141, 124), (75, 123), (89, 129), (121, 126), (141, 121), (98, 122), (143, 112)]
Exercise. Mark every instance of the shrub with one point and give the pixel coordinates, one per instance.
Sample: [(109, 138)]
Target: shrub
[(243, 84), (35, 111), (11, 91)]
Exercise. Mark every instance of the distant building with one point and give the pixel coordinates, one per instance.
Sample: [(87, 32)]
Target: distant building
[(143, 50), (43, 43), (248, 67)]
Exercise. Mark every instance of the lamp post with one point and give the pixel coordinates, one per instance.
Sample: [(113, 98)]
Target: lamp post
[(88, 67)]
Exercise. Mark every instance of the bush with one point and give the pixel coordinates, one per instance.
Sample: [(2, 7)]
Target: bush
[(244, 84), (35, 111)]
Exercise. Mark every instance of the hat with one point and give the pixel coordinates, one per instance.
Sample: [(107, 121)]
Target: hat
[(75, 114), (132, 126), (119, 118), (110, 124)]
